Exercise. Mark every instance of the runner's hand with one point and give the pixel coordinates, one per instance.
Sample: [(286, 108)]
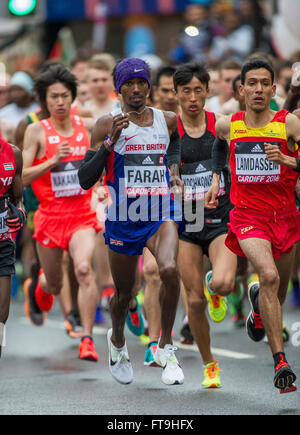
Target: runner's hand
[(274, 154), (119, 122), (63, 150), (210, 200), (176, 184), (16, 218)]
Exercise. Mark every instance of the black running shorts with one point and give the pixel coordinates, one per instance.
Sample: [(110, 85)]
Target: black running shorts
[(7, 258)]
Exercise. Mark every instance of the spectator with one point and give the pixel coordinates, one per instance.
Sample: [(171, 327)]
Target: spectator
[(236, 42), (284, 77), (21, 94), (194, 41), (4, 89), (229, 69), (237, 102), (99, 79), (214, 82)]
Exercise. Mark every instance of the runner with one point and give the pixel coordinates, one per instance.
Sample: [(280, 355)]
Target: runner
[(133, 146), (53, 150), (12, 217), (265, 224), (197, 132)]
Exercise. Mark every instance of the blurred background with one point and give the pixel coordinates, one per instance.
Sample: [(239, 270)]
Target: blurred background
[(165, 31)]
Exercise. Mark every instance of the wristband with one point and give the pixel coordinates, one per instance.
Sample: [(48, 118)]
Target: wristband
[(109, 142), (297, 169)]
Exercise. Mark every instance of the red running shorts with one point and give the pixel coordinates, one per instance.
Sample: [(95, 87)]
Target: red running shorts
[(55, 231), (281, 228)]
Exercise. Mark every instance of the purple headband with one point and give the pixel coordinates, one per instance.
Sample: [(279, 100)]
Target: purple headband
[(130, 68)]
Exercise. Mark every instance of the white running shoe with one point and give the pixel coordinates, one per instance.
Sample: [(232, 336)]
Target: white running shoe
[(119, 363), (172, 372)]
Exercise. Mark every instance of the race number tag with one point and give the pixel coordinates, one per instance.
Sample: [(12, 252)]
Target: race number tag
[(252, 165), (145, 175), (64, 180), (197, 178), (3, 216)]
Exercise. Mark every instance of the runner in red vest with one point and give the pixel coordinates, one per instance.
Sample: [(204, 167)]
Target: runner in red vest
[(12, 219), (265, 224), (53, 151)]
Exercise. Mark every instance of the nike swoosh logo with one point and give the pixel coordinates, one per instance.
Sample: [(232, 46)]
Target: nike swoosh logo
[(128, 138), (138, 70)]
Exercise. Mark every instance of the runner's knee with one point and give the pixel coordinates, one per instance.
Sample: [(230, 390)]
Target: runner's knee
[(197, 303), (168, 272), (223, 285), (83, 272), (269, 278)]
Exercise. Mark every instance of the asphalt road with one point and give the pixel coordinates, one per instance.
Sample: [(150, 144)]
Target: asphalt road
[(40, 374)]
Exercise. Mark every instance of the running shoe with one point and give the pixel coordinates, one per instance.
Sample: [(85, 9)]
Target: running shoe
[(149, 355), (44, 300), (73, 325), (106, 297), (217, 306), (186, 333), (254, 325), (236, 307), (284, 376), (172, 373), (87, 350), (32, 310), (135, 321), (99, 316), (119, 363), (212, 375)]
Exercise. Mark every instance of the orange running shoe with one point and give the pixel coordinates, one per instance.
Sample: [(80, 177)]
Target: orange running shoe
[(87, 350), (32, 310)]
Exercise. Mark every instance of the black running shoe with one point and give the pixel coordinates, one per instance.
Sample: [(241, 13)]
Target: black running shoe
[(186, 333), (254, 325), (284, 375), (32, 310), (73, 325)]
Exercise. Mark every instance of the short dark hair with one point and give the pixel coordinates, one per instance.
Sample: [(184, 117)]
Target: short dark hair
[(54, 73), (185, 73), (167, 71), (255, 63)]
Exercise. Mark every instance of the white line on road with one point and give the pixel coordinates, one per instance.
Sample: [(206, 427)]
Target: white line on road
[(215, 351), (99, 330)]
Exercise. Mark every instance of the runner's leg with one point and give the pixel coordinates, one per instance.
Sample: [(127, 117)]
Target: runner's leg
[(259, 252), (81, 248), (123, 269), (164, 246), (190, 261)]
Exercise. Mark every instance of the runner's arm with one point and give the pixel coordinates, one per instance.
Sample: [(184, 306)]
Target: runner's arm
[(219, 157), (105, 134), (174, 151), (293, 134), (32, 139), (16, 215)]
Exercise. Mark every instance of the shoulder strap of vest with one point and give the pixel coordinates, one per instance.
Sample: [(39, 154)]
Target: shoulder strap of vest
[(180, 128)]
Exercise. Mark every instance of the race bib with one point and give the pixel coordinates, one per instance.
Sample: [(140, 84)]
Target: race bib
[(64, 180), (4, 235), (197, 178), (252, 165), (145, 175)]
